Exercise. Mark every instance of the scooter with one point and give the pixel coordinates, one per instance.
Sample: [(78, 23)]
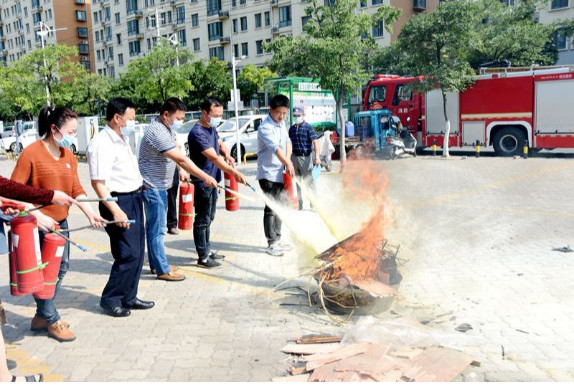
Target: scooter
[(404, 144)]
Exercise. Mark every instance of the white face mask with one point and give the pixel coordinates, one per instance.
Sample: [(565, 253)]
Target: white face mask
[(176, 125), (298, 119), (130, 125), (214, 122)]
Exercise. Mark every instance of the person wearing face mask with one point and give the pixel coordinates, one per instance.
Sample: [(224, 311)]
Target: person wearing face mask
[(206, 150), (305, 142), (114, 172), (49, 164), (159, 155)]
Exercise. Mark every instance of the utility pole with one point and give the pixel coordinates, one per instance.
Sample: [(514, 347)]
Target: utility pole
[(174, 41), (237, 143), (44, 32)]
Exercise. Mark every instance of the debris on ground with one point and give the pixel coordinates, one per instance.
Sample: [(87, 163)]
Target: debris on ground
[(463, 328), (565, 249)]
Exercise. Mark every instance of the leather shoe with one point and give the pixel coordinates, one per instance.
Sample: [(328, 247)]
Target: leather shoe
[(117, 311), (171, 276), (173, 231), (142, 305)]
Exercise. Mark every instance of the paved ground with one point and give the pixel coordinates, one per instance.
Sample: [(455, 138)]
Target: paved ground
[(477, 236)]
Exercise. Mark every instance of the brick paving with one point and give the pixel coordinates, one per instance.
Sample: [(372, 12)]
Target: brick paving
[(477, 236)]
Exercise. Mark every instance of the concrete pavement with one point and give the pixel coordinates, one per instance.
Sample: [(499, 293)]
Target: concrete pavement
[(477, 236)]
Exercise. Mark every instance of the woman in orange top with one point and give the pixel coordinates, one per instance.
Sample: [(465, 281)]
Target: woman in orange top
[(48, 164)]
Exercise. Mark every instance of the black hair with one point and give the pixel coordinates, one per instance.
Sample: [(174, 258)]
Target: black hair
[(209, 102), (279, 101), (118, 106), (172, 105), (57, 116)]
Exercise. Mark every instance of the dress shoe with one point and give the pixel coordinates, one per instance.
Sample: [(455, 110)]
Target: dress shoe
[(171, 276), (173, 231), (171, 268), (213, 255), (117, 311), (142, 305), (39, 324), (59, 331)]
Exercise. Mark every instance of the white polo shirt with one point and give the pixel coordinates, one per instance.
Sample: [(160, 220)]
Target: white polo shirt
[(111, 159)]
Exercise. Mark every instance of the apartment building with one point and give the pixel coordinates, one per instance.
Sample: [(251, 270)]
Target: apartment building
[(554, 11), (127, 29), (63, 21)]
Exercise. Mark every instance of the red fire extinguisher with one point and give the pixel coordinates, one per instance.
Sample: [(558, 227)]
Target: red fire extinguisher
[(289, 188), (52, 251), (26, 244), (12, 259), (231, 200), (186, 201)]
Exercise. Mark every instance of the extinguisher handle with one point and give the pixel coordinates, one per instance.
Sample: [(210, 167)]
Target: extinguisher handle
[(251, 187)]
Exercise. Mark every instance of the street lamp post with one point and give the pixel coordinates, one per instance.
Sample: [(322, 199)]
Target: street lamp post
[(234, 61), (43, 33), (174, 41)]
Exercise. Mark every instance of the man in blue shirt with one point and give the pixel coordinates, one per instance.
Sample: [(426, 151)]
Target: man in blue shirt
[(273, 155), (304, 140), (205, 148)]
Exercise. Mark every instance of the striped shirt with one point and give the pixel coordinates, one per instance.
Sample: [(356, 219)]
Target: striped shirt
[(157, 170), (302, 137)]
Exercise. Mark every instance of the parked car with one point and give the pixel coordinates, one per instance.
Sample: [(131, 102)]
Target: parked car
[(24, 140), (249, 124), (182, 134)]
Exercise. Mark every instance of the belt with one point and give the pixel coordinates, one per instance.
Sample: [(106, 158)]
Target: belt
[(119, 194), (306, 154)]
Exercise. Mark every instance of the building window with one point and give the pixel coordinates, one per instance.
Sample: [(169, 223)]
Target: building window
[(133, 27), (214, 30), (181, 38), (83, 49), (267, 19), (131, 6), (244, 23), (234, 3), (148, 44), (111, 52), (117, 16), (36, 18), (196, 46), (378, 29), (95, 17), (234, 25), (108, 33), (363, 3), (259, 47), (304, 20), (98, 55), (135, 48), (169, 17), (81, 15), (257, 20), (180, 15), (377, 2), (121, 59), (245, 49), (285, 16), (235, 50), (216, 52), (82, 32), (555, 4), (195, 20), (119, 38), (242, 2), (162, 18), (87, 65), (560, 40), (213, 7)]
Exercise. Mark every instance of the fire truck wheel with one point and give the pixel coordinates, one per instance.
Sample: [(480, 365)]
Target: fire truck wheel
[(509, 141)]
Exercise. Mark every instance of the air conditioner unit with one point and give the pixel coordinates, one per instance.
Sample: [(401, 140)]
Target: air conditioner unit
[(85, 42), (275, 30)]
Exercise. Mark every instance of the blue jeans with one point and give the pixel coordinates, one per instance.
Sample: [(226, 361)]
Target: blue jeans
[(205, 205), (45, 308), (155, 204)]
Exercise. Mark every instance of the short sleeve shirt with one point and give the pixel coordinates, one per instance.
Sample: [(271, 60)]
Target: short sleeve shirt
[(271, 136), (302, 137), (200, 139), (156, 169)]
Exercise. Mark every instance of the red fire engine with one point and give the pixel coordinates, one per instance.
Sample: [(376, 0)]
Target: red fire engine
[(502, 109)]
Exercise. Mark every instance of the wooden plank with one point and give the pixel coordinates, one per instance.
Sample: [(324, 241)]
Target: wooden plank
[(437, 364), (298, 368), (299, 378), (375, 287), (367, 363), (344, 351), (406, 352), (319, 338), (326, 373), (305, 349)]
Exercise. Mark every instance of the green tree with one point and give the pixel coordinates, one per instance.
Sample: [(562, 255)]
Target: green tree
[(333, 49), (156, 77), (437, 45), (90, 92), (251, 79), (210, 78)]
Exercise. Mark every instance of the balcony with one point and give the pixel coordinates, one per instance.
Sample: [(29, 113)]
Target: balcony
[(175, 3), (108, 42), (138, 14), (419, 5), (3, 53), (37, 7), (275, 30), (223, 15), (224, 40), (107, 21), (109, 62), (274, 3)]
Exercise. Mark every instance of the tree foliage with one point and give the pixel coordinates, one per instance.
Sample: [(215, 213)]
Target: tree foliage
[(333, 48), (210, 78), (251, 79)]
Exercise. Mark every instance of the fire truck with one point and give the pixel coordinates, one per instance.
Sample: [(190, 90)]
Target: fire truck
[(506, 109)]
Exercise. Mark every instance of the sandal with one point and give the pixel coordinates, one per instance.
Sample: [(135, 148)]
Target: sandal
[(31, 378)]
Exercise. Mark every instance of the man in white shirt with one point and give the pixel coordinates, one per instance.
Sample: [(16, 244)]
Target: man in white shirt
[(114, 171)]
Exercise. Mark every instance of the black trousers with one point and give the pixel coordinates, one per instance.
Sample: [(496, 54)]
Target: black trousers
[(271, 221), (128, 248), (172, 201)]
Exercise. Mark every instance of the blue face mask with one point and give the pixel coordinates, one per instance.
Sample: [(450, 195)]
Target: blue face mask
[(176, 125), (66, 141)]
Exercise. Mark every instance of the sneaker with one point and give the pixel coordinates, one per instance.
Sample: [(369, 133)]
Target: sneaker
[(213, 255), (274, 250), (285, 246), (39, 324), (207, 263), (59, 331)]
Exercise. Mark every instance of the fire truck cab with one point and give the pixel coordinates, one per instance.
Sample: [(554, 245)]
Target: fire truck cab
[(506, 109)]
